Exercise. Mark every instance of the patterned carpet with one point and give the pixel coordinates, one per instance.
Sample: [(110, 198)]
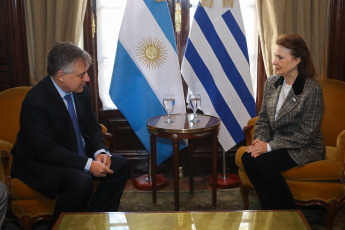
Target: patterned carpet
[(227, 199)]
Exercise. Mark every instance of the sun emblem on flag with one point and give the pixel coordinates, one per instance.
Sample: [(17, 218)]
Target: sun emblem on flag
[(151, 53)]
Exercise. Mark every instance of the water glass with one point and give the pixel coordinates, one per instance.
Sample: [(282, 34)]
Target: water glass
[(169, 104), (194, 101)]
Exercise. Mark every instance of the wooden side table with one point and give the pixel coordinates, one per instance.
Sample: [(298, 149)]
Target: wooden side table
[(183, 128)]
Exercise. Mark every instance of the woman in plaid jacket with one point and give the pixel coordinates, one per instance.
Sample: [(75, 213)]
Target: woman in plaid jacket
[(287, 133)]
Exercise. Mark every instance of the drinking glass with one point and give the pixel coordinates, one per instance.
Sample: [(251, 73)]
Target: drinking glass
[(194, 101), (169, 104)]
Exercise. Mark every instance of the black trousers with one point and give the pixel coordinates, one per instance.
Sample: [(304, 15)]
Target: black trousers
[(76, 189), (265, 174)]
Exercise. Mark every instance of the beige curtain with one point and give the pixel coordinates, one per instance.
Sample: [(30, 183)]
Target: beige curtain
[(308, 18), (47, 22)]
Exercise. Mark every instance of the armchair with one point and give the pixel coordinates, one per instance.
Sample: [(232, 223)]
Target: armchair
[(25, 204), (321, 182)]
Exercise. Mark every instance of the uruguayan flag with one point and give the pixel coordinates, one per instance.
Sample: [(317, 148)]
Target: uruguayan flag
[(216, 65), (146, 67)]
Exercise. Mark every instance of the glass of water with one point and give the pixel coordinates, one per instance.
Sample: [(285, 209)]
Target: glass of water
[(194, 101), (169, 104)]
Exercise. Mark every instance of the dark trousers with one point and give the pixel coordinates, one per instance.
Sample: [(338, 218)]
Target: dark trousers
[(265, 174), (76, 189)]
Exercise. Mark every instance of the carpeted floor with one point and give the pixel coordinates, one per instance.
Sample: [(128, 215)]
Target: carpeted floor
[(227, 200)]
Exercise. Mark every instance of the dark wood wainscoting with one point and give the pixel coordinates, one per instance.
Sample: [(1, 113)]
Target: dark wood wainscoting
[(336, 44), (126, 143), (14, 67)]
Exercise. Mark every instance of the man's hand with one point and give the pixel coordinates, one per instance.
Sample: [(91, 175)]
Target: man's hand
[(98, 169), (257, 148), (104, 158)]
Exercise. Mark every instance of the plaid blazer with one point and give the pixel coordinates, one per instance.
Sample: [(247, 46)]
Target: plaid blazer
[(297, 126)]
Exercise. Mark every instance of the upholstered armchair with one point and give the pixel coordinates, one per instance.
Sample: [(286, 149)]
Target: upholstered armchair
[(321, 182), (25, 204)]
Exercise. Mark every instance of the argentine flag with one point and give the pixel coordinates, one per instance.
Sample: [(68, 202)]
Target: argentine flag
[(146, 67), (216, 65)]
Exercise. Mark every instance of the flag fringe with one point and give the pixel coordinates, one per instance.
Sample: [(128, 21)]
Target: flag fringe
[(228, 3), (206, 3), (209, 3)]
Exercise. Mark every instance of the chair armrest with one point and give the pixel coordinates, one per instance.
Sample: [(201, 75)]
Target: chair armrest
[(248, 134), (5, 158), (340, 154), (107, 139), (249, 130), (238, 156), (5, 145), (107, 136)]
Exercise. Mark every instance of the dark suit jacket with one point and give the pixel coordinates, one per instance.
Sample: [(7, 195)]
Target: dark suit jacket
[(46, 143), (297, 126)]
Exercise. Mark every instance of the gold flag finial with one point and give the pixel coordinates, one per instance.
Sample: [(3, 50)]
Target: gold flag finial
[(206, 3), (93, 26), (178, 17), (228, 3)]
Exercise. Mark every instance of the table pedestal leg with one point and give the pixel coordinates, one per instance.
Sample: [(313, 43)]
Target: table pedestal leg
[(176, 174), (153, 168), (214, 171), (191, 149)]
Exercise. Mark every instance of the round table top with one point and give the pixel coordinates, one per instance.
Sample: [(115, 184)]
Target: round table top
[(183, 124)]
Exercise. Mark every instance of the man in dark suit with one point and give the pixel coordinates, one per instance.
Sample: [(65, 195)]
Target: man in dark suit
[(60, 146)]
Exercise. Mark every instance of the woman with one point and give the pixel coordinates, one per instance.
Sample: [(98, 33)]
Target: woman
[(287, 133)]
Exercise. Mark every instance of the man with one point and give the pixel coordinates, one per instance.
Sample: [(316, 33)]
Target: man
[(60, 146)]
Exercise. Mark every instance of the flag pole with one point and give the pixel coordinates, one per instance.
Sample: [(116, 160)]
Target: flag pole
[(226, 180), (144, 182), (146, 57)]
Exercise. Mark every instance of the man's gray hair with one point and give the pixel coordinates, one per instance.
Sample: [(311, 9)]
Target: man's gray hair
[(63, 56)]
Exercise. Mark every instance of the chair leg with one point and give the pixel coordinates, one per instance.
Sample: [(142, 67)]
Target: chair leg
[(25, 223), (332, 209), (245, 196)]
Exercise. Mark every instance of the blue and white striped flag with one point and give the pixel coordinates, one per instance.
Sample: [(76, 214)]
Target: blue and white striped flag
[(146, 67), (216, 65)]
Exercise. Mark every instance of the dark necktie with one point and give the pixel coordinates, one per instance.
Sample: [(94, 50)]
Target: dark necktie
[(74, 118)]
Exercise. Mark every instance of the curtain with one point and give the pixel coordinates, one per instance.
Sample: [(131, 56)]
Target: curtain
[(308, 18), (48, 22)]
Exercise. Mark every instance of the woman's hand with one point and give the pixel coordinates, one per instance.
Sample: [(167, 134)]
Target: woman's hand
[(257, 148)]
